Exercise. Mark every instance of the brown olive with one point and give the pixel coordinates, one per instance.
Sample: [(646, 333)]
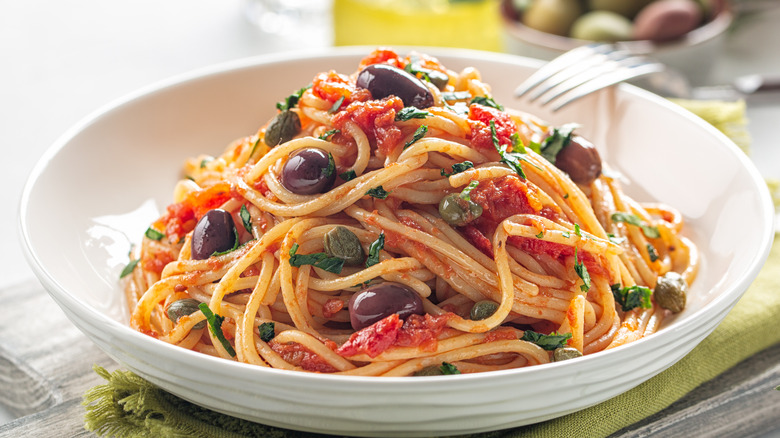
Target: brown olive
[(670, 292), (580, 160), (384, 80)]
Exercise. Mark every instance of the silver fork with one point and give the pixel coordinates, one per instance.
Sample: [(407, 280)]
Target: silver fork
[(582, 71)]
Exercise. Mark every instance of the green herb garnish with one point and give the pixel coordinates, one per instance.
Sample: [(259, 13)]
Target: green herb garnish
[(632, 219), (215, 326), (267, 331), (411, 112), (512, 159), (458, 168), (548, 342), (373, 250), (582, 272), (652, 253), (448, 368), (559, 139), (291, 100), (455, 95), (327, 134), (331, 168), (418, 134), (129, 268), (153, 234), (632, 297), (487, 101), (348, 175), (336, 105), (466, 193), (378, 192), (318, 260), (246, 218)]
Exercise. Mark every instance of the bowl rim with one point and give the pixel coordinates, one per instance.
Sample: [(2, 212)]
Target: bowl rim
[(723, 302), (718, 25)]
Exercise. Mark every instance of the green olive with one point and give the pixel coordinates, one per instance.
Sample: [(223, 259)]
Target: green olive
[(602, 26), (184, 306), (430, 371), (671, 291), (483, 310), (282, 128), (626, 8), (458, 211), (552, 16), (565, 353), (344, 244)]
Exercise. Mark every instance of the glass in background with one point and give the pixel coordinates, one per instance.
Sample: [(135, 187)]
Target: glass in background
[(470, 24), (304, 23)]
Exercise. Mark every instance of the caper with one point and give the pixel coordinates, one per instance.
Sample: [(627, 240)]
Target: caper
[(184, 306), (565, 353), (483, 309), (670, 292), (458, 211), (282, 128), (344, 244), (430, 371)]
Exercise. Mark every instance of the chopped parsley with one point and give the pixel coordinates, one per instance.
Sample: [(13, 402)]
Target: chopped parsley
[(329, 133), (458, 168), (582, 272), (215, 326), (455, 95), (254, 147), (378, 192), (235, 245), (373, 250), (512, 159), (348, 175), (204, 162), (487, 101), (632, 219), (652, 253), (448, 368), (617, 240), (291, 100), (540, 235), (246, 218), (548, 342), (632, 297), (267, 331), (318, 260), (418, 134), (331, 169), (559, 139), (336, 105), (153, 234), (129, 268), (466, 193), (411, 112)]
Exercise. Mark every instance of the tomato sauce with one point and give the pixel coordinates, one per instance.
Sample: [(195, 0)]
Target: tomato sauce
[(416, 331), (301, 356), (480, 117), (332, 86), (377, 119)]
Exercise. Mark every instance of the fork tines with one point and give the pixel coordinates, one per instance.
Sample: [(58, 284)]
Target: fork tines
[(582, 71)]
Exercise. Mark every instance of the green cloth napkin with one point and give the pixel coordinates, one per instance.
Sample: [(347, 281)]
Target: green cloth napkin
[(129, 406)]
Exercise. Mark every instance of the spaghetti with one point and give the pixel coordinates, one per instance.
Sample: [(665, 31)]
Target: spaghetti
[(398, 221)]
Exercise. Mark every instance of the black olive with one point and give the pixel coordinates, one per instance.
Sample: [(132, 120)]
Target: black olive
[(381, 300), (384, 80), (309, 171), (214, 233), (282, 128), (580, 160)]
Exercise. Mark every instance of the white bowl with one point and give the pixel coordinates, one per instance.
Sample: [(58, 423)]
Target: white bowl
[(97, 188)]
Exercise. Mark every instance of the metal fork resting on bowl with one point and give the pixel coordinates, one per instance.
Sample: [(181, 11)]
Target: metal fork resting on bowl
[(582, 71)]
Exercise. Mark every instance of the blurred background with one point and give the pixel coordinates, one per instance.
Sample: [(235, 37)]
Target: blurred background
[(61, 61)]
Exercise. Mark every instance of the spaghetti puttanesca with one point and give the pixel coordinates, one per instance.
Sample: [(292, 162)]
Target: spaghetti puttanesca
[(398, 221)]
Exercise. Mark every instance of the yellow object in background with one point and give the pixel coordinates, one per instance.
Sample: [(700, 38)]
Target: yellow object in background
[(470, 24)]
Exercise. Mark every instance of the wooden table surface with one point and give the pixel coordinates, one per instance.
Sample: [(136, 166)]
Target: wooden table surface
[(46, 366)]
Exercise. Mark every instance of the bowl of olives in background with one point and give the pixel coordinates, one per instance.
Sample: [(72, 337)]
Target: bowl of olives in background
[(684, 34)]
